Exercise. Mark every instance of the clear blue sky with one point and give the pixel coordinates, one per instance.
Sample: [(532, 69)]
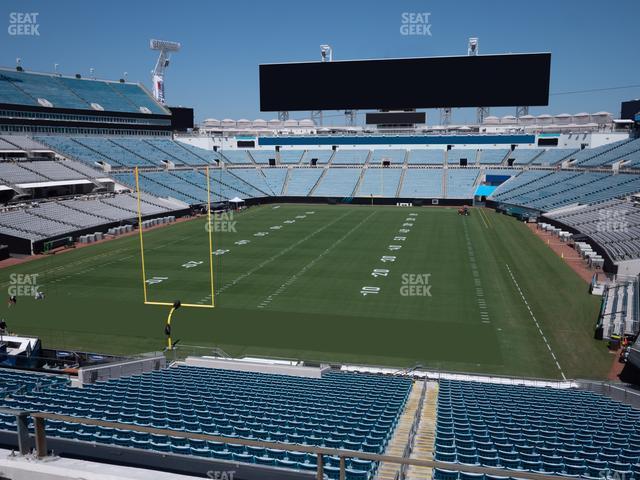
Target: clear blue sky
[(594, 43)]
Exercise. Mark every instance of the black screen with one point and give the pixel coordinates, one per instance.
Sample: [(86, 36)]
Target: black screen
[(181, 118), (470, 81), (629, 109)]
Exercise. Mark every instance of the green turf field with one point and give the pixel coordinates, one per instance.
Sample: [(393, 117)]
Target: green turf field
[(290, 283)]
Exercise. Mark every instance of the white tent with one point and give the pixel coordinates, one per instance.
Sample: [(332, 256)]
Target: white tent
[(236, 200)]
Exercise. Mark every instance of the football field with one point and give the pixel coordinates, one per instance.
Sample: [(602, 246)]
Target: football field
[(377, 285)]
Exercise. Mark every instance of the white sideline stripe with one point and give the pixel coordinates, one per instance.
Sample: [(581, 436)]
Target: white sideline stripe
[(276, 256), (295, 276), (553, 355)]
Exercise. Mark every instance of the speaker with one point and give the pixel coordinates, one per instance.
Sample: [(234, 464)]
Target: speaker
[(513, 147), (314, 162), (215, 148), (463, 162), (272, 162), (510, 161), (449, 147), (277, 148), (334, 147)]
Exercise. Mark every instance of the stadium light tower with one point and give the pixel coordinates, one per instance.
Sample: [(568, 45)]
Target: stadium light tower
[(165, 48), (473, 48), (326, 55)]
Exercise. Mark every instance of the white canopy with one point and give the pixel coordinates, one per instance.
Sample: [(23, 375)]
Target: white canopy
[(236, 200)]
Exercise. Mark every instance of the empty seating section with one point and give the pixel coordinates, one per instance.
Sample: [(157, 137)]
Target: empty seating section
[(493, 156), (275, 178), (54, 170), (114, 152), (255, 177), (524, 156), (460, 182), (236, 156), (614, 225), (455, 156), (42, 87), (62, 92), (557, 189), (167, 185), (553, 156), (71, 148), (21, 142), (592, 157), (12, 381), (381, 182), (242, 188), (262, 157), (64, 217), (321, 156), (350, 157), (340, 410), (393, 156), (129, 152), (175, 152), (517, 183), (422, 183), (554, 431), (338, 182), (620, 309), (12, 172), (142, 149), (427, 157), (138, 96), (291, 156), (209, 156), (302, 180)]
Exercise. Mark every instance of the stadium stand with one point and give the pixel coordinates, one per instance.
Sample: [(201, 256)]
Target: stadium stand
[(350, 157), (460, 182), (427, 157), (422, 183), (393, 156), (454, 156), (302, 180), (262, 156), (380, 182), (236, 156), (322, 156), (275, 178), (338, 182), (553, 156), (493, 156), (567, 432), (40, 89), (619, 314), (339, 410), (524, 156), (291, 156), (614, 225)]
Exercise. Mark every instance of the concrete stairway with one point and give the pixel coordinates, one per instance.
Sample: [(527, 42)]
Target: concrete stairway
[(397, 445), (426, 435)]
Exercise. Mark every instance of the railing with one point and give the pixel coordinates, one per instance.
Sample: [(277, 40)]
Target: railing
[(39, 419)]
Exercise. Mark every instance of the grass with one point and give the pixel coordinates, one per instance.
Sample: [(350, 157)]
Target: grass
[(296, 292)]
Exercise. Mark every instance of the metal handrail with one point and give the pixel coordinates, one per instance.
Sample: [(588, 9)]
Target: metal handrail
[(41, 446)]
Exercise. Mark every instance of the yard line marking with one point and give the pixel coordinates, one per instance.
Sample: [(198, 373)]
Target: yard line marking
[(277, 255), (544, 338), (302, 271)]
